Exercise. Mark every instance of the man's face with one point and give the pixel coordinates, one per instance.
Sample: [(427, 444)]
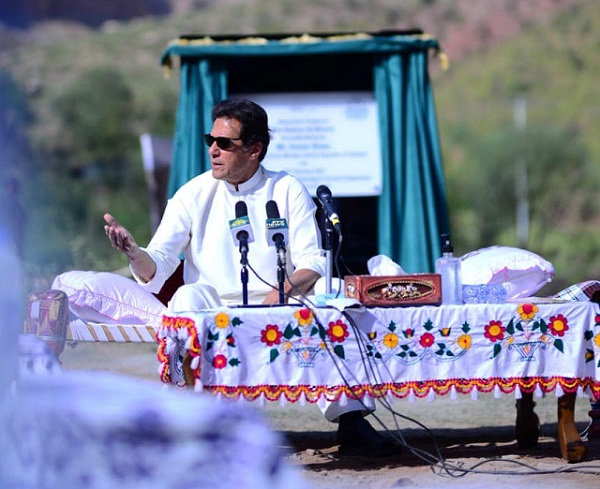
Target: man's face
[(236, 164)]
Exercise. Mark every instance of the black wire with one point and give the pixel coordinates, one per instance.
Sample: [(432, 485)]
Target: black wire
[(436, 460)]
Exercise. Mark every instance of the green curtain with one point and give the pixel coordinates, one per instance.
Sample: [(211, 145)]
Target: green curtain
[(203, 83), (412, 208)]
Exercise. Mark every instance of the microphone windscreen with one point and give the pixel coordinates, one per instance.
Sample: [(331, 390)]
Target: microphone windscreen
[(241, 223), (241, 209), (323, 193), (272, 210)]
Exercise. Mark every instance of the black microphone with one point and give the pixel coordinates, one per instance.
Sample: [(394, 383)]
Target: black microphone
[(326, 199), (242, 232), (240, 226), (277, 230)]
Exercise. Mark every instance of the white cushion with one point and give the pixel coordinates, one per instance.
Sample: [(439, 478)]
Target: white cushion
[(521, 272), (109, 298)]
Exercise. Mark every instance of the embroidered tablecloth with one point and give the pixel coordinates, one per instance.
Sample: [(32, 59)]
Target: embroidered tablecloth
[(295, 353)]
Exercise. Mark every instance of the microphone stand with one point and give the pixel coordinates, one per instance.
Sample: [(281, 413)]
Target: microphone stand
[(244, 271), (281, 274), (328, 254)]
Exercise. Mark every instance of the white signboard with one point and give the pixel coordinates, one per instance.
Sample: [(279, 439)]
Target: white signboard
[(325, 139)]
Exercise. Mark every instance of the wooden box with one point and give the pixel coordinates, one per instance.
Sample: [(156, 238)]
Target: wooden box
[(415, 289)]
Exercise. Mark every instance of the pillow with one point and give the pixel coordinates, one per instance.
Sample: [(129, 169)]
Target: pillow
[(521, 272), (109, 298), (582, 291)]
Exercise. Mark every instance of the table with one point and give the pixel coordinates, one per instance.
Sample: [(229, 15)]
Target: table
[(292, 354)]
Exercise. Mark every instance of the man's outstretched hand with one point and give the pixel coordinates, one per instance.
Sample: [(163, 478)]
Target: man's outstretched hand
[(120, 238)]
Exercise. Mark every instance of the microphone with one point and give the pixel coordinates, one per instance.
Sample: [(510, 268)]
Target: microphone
[(324, 196), (277, 229), (240, 226)]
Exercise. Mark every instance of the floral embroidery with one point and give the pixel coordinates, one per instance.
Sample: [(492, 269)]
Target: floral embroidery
[(426, 340), (527, 311), (219, 361), (494, 331), (390, 340), (558, 325), (337, 331), (304, 316), (221, 320), (594, 335), (526, 332), (305, 338), (465, 341), (410, 346), (271, 335), (221, 345)]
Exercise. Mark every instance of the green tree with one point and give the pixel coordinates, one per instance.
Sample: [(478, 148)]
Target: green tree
[(97, 112), (560, 183), (15, 119)]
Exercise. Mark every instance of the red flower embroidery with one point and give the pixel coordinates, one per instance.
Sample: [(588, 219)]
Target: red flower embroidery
[(494, 331), (558, 325), (409, 333), (271, 335), (426, 340), (337, 331), (219, 361)]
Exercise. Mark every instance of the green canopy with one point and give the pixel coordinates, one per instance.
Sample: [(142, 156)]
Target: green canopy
[(412, 209)]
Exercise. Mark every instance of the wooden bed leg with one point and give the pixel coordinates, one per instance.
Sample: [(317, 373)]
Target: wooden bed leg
[(571, 445), (528, 424)]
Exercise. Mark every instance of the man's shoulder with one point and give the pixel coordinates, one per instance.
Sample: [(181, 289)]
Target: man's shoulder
[(205, 178), (199, 184)]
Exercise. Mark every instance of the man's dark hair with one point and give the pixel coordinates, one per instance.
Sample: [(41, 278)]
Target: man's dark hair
[(252, 117)]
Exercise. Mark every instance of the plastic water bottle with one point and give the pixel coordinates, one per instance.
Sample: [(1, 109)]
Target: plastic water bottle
[(448, 266)]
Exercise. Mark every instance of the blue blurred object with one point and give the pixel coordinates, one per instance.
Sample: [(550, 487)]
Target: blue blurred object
[(484, 294)]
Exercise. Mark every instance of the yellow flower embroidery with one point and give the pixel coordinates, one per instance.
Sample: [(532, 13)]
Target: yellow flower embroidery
[(304, 316), (465, 341), (390, 340), (221, 320), (527, 311), (597, 340)]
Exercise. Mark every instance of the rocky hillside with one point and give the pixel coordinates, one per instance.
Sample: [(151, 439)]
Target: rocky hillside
[(463, 26)]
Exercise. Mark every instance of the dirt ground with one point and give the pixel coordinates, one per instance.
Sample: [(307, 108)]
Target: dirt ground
[(451, 443)]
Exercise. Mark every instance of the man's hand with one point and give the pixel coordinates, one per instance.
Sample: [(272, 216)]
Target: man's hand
[(120, 238), (273, 297), (302, 280)]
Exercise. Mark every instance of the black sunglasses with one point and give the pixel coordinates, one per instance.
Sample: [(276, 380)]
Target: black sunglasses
[(223, 143)]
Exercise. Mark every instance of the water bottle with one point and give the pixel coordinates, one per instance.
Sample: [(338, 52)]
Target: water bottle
[(448, 266)]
